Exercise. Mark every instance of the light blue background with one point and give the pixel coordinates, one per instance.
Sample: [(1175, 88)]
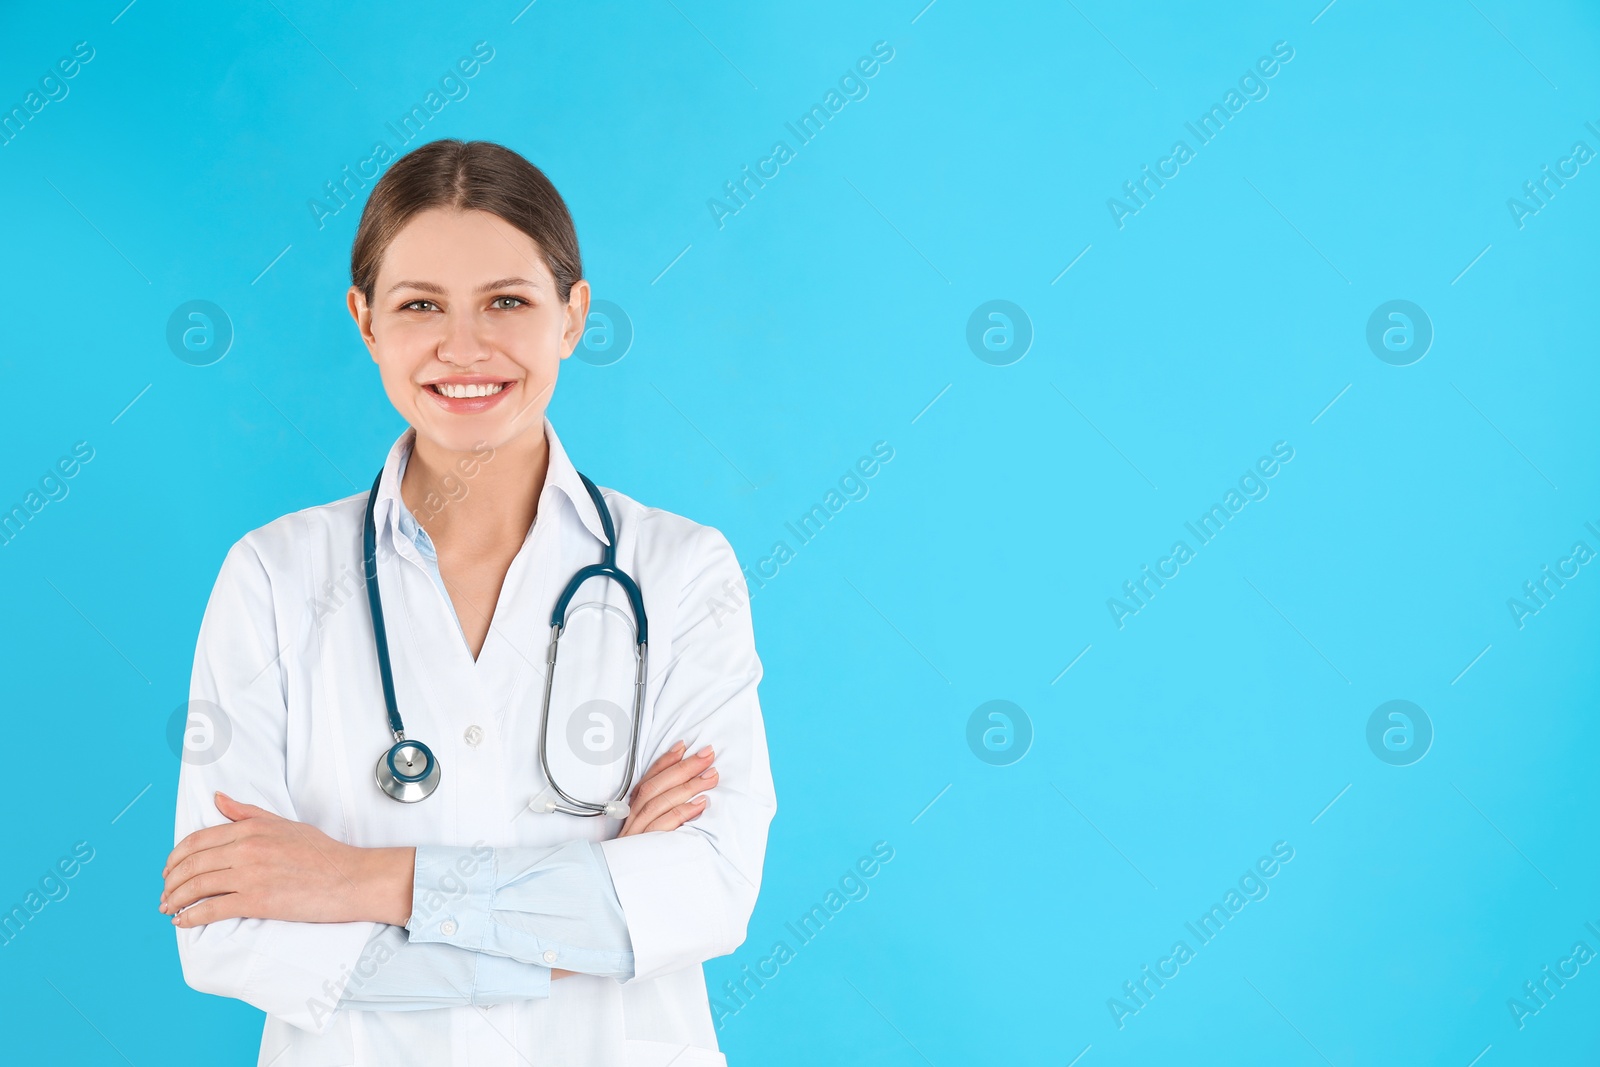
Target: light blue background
[(825, 316)]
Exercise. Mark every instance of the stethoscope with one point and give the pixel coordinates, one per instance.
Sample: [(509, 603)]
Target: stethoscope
[(409, 771)]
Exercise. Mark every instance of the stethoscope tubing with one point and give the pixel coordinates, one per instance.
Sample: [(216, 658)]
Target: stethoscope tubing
[(409, 788)]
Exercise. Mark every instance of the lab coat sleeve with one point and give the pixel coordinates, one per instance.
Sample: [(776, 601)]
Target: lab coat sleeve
[(688, 893), (238, 716), (405, 977), (552, 905)]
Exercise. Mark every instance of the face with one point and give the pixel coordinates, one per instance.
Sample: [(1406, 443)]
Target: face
[(467, 328)]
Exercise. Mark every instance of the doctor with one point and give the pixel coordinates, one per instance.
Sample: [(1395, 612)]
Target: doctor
[(460, 920)]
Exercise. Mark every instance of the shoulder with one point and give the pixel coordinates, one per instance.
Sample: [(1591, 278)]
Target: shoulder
[(305, 542), (289, 536), (274, 570), (665, 541), (689, 576)]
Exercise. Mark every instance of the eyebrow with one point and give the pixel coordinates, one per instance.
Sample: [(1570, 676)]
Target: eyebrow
[(438, 290)]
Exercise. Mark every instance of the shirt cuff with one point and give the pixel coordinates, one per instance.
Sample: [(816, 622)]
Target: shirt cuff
[(452, 891), (501, 978)]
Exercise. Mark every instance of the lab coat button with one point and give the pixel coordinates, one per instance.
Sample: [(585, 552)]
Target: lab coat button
[(473, 735), (549, 955), (447, 928)]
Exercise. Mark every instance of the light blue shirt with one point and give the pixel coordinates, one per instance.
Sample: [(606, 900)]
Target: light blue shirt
[(508, 919)]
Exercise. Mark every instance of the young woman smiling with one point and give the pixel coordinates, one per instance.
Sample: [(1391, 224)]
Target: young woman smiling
[(470, 923)]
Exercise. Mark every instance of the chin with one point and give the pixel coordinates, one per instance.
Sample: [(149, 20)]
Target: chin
[(463, 438), (466, 434)]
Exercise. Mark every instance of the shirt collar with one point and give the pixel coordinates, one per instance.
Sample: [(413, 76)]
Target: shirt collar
[(560, 473)]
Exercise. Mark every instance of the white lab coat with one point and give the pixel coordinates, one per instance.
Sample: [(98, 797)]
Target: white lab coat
[(286, 651)]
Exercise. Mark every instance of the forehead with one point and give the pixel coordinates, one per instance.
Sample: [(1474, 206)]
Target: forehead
[(441, 244)]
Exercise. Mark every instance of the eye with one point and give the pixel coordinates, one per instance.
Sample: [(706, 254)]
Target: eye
[(412, 305), (518, 299)]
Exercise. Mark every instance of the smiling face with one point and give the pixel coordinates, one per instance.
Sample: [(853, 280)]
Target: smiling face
[(467, 328)]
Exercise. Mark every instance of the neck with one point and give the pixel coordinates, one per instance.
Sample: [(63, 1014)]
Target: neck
[(488, 510)]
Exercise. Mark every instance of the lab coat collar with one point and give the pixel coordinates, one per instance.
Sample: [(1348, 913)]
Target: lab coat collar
[(560, 473)]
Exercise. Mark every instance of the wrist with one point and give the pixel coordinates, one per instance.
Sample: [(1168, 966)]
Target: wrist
[(385, 888)]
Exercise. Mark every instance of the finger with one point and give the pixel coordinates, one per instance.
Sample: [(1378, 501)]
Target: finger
[(671, 820), (227, 906), (640, 815), (668, 758), (665, 772), (234, 810), (671, 797), (199, 841), (674, 775), (203, 862), (222, 833), (203, 885), (679, 795)]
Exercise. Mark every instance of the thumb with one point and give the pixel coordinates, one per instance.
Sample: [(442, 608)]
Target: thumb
[(234, 810)]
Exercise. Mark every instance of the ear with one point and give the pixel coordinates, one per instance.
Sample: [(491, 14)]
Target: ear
[(577, 317), (356, 300)]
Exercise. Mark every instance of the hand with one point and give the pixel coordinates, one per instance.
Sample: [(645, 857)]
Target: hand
[(259, 865), (661, 801)]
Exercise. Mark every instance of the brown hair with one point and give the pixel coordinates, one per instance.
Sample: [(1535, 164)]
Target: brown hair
[(466, 175)]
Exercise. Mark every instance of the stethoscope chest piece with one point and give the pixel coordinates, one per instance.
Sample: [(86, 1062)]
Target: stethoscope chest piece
[(408, 771)]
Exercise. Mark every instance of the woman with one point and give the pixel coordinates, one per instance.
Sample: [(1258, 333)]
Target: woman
[(436, 911)]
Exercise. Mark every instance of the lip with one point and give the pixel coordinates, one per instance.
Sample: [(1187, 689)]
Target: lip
[(471, 405)]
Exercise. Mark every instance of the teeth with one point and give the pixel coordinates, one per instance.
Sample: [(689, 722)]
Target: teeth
[(461, 392)]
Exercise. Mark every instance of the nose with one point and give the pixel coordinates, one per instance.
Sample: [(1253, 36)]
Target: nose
[(462, 344)]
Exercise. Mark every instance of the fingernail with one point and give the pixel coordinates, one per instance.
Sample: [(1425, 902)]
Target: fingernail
[(698, 800), (710, 773), (678, 747), (704, 751)]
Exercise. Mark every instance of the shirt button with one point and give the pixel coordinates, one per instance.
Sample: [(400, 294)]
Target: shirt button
[(550, 955), (473, 735), (448, 927)]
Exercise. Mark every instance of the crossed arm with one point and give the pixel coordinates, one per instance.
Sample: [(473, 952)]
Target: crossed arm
[(259, 865), (272, 911)]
